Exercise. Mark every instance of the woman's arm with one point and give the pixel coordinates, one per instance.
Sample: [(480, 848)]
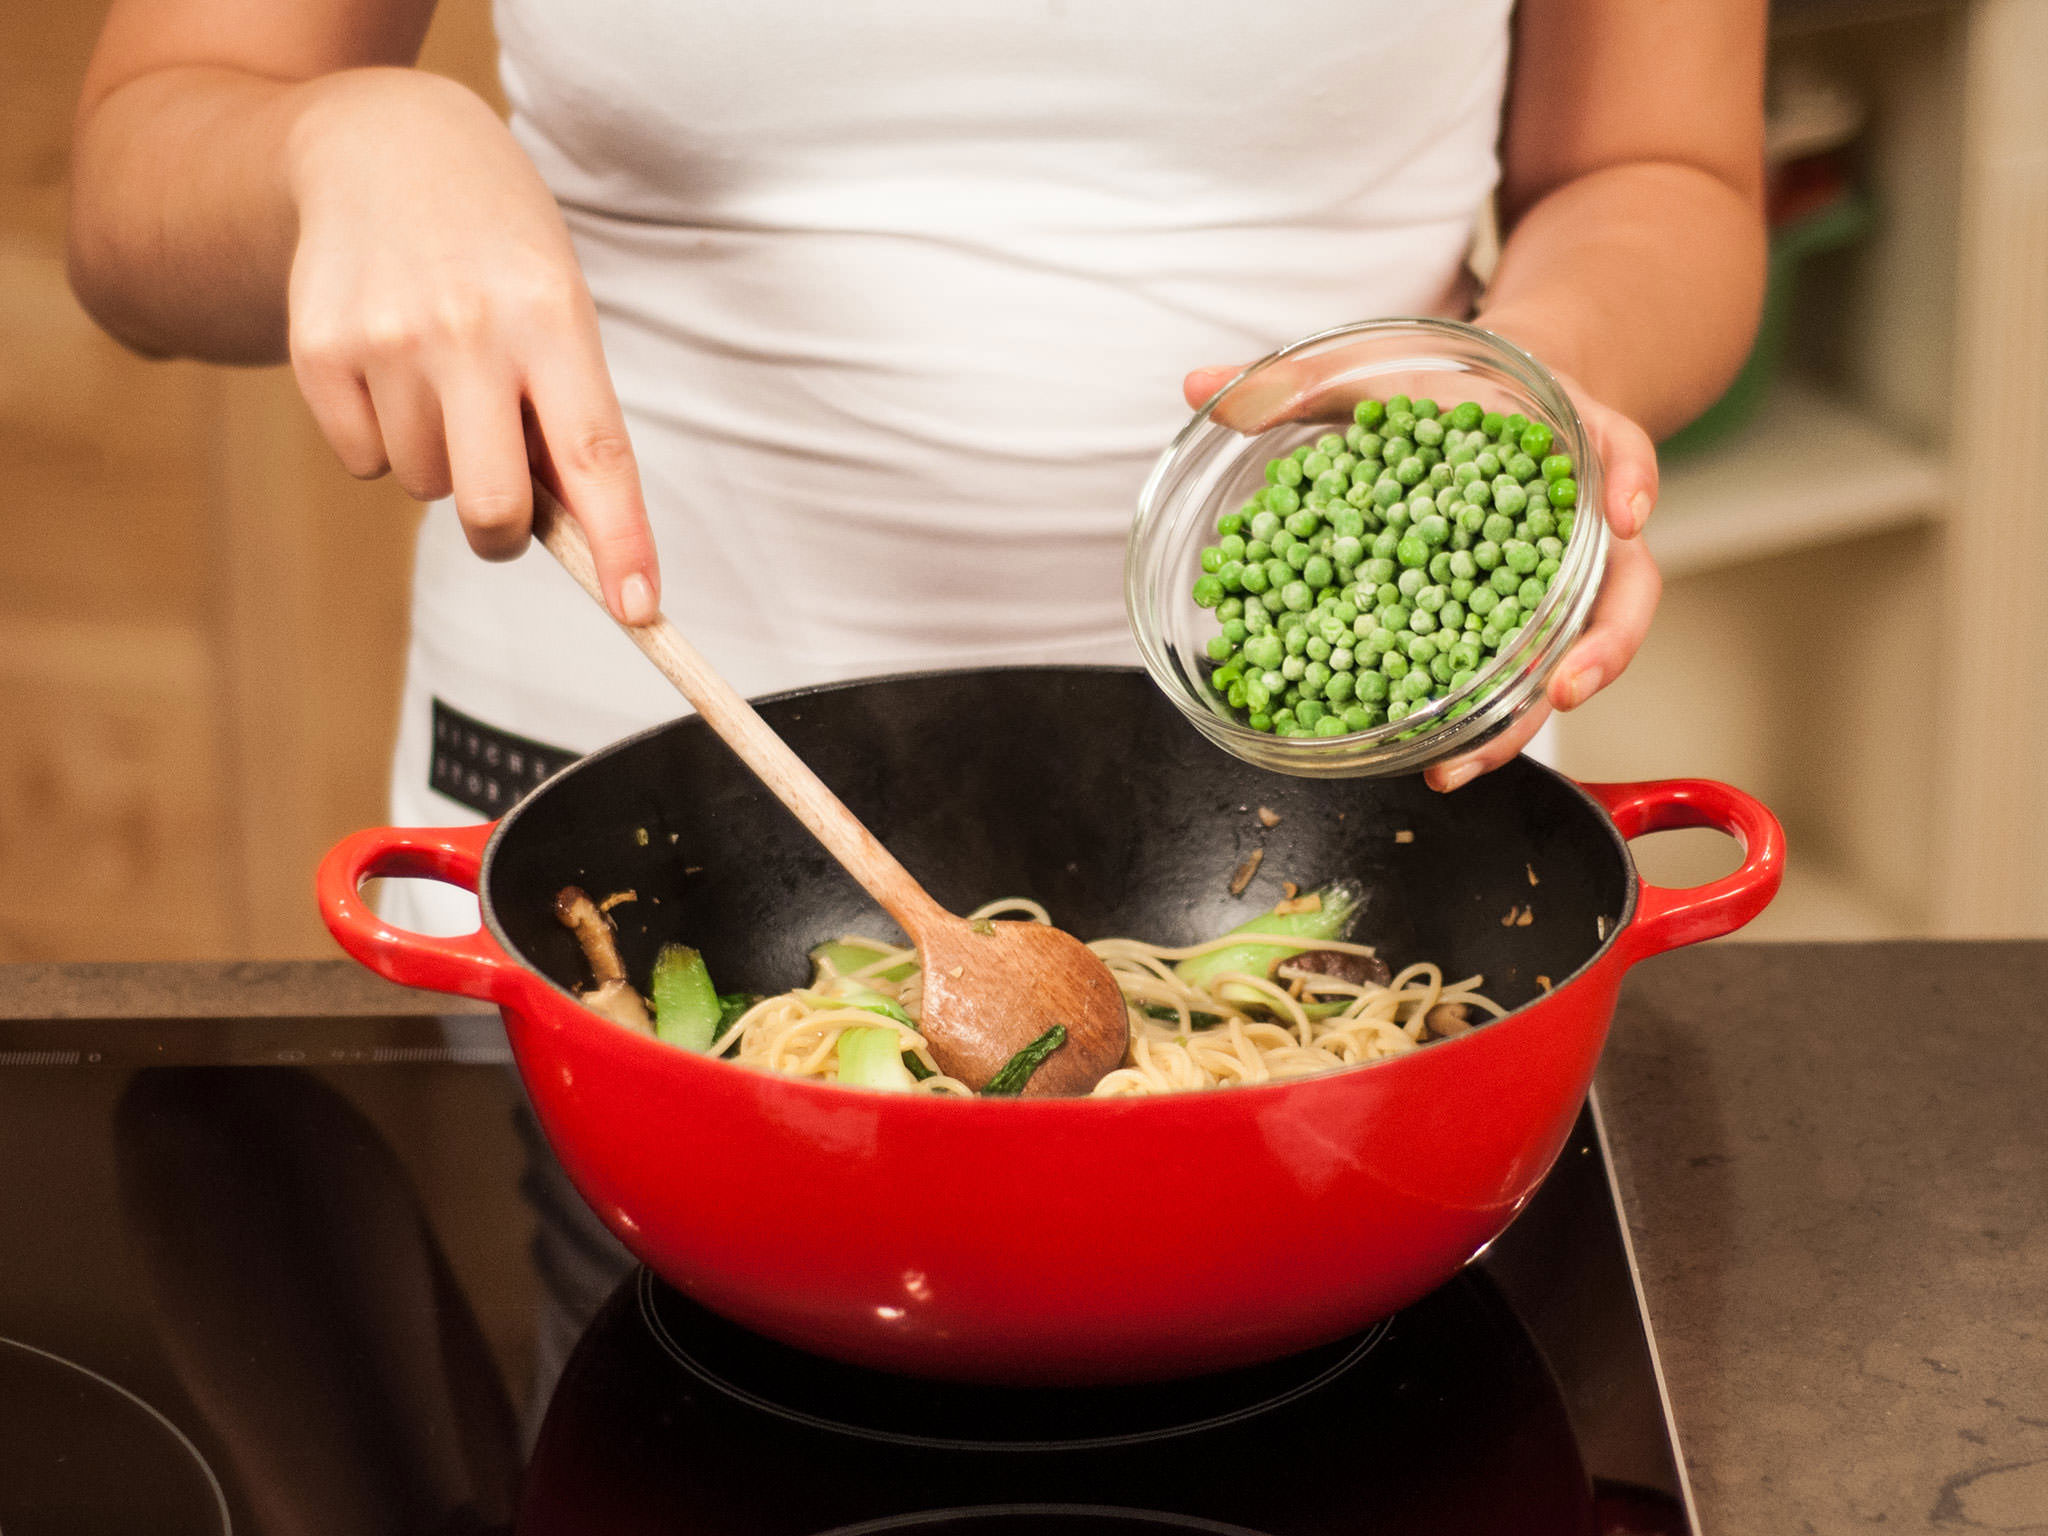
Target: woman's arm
[(1633, 265), (1631, 196), (254, 181)]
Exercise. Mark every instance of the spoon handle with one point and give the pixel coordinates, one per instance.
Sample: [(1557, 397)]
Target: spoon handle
[(787, 776)]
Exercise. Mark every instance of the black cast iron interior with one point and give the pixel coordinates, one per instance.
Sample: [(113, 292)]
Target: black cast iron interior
[(1078, 786)]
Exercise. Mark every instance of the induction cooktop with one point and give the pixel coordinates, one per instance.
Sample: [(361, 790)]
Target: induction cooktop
[(317, 1274)]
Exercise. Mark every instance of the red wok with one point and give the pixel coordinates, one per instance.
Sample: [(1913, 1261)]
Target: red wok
[(1053, 1240)]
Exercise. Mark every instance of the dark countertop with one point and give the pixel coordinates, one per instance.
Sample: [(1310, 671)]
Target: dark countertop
[(1834, 1161)]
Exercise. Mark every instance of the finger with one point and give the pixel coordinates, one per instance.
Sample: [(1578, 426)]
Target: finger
[(1629, 460), (590, 461), (1620, 621), (1448, 775), (340, 403), (1200, 386), (487, 463), (409, 416)]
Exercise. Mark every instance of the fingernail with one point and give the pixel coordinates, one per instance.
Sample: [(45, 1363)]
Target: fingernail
[(1464, 773), (636, 599), (1577, 688), (1638, 512)]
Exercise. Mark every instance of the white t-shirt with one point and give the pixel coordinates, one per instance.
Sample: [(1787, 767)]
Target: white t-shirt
[(898, 298)]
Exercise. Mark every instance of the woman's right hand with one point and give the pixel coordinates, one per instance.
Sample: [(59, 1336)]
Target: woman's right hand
[(440, 327)]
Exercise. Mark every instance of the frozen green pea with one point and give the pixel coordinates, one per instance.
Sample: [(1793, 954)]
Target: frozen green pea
[(1282, 499)]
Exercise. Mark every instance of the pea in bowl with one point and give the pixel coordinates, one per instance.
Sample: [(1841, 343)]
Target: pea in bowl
[(1369, 550)]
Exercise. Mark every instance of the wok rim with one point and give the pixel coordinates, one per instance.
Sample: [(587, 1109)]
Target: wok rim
[(1125, 1103)]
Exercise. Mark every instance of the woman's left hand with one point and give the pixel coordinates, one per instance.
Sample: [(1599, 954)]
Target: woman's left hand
[(1628, 594)]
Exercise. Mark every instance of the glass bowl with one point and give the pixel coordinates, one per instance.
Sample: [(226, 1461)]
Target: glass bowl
[(1296, 395)]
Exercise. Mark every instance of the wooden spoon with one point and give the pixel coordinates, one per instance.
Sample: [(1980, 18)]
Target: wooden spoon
[(990, 988)]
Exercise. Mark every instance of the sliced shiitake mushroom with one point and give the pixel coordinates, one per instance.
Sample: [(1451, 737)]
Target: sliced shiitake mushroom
[(613, 995), (1337, 964)]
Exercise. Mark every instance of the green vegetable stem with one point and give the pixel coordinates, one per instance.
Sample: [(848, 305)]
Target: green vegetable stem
[(687, 1009), (844, 959), (1337, 905), (873, 1058)]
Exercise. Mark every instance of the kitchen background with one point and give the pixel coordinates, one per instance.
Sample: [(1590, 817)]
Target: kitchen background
[(202, 616)]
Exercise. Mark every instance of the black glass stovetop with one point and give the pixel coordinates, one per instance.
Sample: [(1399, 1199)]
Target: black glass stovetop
[(311, 1275)]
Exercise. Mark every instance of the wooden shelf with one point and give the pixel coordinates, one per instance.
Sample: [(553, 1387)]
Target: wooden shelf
[(1810, 470)]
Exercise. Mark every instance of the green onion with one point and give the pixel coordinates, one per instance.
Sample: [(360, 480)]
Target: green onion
[(1017, 1071)]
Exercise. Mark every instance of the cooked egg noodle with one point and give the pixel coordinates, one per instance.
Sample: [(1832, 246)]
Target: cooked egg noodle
[(1306, 1023)]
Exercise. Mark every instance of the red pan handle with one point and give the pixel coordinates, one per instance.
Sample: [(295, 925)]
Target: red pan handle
[(1665, 918), (470, 964)]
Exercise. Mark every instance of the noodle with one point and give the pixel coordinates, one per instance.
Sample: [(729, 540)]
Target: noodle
[(1310, 1024)]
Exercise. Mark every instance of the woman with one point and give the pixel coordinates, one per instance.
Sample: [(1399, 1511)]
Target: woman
[(854, 331), (851, 332)]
